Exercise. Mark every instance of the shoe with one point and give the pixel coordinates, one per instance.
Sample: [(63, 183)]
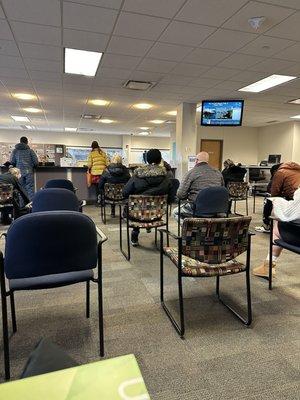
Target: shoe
[(263, 270), (148, 230), (134, 239), (134, 243), (262, 229)]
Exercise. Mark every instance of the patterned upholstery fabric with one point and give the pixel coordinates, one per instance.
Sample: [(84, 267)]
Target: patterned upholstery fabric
[(192, 267), (238, 190), (147, 208), (6, 193), (147, 225), (113, 192)]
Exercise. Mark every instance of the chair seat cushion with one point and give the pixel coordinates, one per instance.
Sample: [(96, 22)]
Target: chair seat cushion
[(51, 281), (287, 246), (192, 267), (146, 224)]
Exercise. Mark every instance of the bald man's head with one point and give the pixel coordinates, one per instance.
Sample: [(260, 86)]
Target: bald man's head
[(203, 156)]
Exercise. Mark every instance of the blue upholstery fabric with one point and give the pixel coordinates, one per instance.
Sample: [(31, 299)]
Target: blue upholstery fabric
[(54, 199), (50, 281), (212, 201), (48, 243), (60, 183), (288, 246)]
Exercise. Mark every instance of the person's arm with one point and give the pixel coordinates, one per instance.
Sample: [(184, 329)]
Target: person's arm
[(183, 190), (90, 161), (34, 159), (277, 183), (13, 158), (129, 188)]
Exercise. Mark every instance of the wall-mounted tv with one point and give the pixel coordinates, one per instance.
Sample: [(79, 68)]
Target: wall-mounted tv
[(222, 112)]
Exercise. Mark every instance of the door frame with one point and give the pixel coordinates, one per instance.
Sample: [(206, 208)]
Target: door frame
[(221, 152)]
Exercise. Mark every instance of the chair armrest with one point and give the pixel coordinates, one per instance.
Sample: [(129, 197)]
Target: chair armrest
[(103, 237), (4, 235), (169, 233), (29, 205)]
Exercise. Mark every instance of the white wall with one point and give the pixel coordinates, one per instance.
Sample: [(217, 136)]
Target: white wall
[(239, 143), (296, 149)]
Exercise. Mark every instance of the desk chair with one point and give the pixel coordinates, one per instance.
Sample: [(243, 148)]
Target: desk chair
[(60, 183), (48, 250), (54, 200), (238, 191), (112, 195)]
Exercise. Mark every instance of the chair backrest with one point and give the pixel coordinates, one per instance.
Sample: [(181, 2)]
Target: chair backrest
[(54, 200), (50, 243), (60, 183), (215, 240), (114, 191), (6, 193), (174, 187), (211, 202), (147, 208), (238, 189)]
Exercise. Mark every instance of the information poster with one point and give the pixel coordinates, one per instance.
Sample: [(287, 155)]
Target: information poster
[(191, 162)]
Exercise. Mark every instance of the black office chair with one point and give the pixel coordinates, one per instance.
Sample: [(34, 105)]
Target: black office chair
[(55, 199), (212, 202), (48, 250), (60, 183)]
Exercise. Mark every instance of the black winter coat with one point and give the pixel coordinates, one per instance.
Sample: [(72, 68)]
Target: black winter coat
[(115, 173), (234, 173)]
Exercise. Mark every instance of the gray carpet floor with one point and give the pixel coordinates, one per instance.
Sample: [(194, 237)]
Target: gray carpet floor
[(219, 358)]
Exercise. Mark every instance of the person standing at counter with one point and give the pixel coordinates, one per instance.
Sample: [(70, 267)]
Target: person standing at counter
[(97, 163), (24, 158)]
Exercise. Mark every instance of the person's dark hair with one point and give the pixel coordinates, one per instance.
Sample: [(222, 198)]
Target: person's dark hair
[(274, 168), (24, 140), (153, 156), (95, 145)]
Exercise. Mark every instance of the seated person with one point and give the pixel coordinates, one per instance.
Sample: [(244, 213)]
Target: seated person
[(151, 180), (116, 172), (200, 177), (285, 179), (20, 198), (285, 211), (232, 172)]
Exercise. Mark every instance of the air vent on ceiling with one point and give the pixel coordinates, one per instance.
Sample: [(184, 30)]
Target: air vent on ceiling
[(272, 122), (90, 116), (138, 85)]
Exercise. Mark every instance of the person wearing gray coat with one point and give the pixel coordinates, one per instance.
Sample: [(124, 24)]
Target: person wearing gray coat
[(200, 177)]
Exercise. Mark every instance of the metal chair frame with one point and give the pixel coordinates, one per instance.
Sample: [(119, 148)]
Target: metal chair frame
[(232, 198), (103, 203)]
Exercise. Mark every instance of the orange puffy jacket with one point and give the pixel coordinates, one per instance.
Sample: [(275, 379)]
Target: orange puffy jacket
[(286, 180)]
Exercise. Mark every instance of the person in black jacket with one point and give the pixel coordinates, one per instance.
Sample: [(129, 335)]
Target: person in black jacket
[(151, 180), (232, 172), (116, 172)]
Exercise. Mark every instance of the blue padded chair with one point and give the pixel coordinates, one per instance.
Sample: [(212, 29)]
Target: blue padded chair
[(212, 202), (47, 250), (55, 199), (60, 183)]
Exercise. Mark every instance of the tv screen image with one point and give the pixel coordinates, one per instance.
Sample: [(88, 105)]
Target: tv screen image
[(222, 113)]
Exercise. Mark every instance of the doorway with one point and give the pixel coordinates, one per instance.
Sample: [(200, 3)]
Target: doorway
[(215, 150)]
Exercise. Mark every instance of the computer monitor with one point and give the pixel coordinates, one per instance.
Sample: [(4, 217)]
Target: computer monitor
[(274, 158)]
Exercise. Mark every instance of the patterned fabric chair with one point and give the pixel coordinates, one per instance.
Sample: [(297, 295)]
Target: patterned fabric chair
[(6, 200), (208, 247), (238, 191), (144, 212), (112, 195)]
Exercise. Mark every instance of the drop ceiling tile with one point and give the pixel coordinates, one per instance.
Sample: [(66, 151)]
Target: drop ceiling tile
[(273, 14), (1, 13), (88, 18), (294, 70), (148, 76), (287, 29), (271, 65), (205, 82), (266, 46), (37, 33), (38, 51), (189, 69), (154, 65), (166, 8), (5, 32), (229, 85), (129, 47), (186, 33), (206, 56), (285, 3), (221, 73), (250, 76), (101, 3), (241, 61), (171, 79), (114, 73), (46, 76), (140, 26), (11, 62), (292, 53), (119, 61), (42, 12), (43, 65), (84, 40), (171, 52), (102, 81), (228, 40), (8, 48), (212, 12), (13, 73)]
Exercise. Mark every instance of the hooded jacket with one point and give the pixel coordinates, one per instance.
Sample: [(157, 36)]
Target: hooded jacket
[(234, 173), (24, 158), (97, 161), (286, 180), (149, 180), (115, 173)]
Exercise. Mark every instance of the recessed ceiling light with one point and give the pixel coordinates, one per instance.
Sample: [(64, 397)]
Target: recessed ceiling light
[(157, 121), (144, 128), (24, 96), (99, 102), (295, 101), (171, 112), (32, 110), (296, 117), (267, 83), (67, 129), (144, 133), (143, 106), (81, 62), (19, 118), (106, 121)]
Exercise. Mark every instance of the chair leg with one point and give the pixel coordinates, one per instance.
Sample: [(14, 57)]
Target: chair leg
[(13, 312), (127, 256), (234, 206), (218, 285), (271, 255), (247, 210), (155, 240), (254, 198), (5, 324), (100, 302), (87, 308), (104, 213)]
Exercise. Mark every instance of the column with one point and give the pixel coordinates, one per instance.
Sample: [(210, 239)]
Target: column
[(126, 149)]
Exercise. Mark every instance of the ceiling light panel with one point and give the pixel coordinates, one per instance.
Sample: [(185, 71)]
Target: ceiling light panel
[(32, 110), (295, 101), (106, 121), (296, 117), (24, 96), (81, 62), (144, 133), (172, 113), (157, 121), (19, 118), (99, 102), (67, 129), (143, 106), (267, 83)]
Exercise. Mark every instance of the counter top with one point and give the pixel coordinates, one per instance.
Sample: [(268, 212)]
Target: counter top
[(53, 167)]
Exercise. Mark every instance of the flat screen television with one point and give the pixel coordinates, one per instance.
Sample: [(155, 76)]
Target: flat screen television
[(222, 112), (274, 158)]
